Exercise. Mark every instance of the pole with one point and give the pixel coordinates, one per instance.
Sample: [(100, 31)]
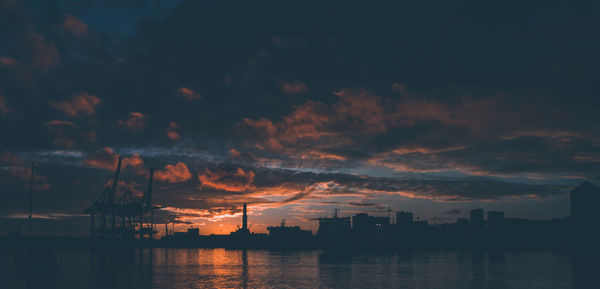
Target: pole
[(149, 202), (111, 197), (30, 198)]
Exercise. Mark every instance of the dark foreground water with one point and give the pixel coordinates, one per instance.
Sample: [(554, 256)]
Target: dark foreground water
[(220, 268)]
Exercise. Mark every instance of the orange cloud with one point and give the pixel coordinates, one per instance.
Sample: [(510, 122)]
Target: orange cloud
[(79, 104), (50, 216), (289, 193), (135, 162), (357, 111), (107, 159), (8, 62), (64, 132), (293, 87), (24, 175), (42, 54), (216, 220), (234, 153), (423, 150), (431, 195), (553, 134), (265, 131), (306, 122), (238, 181), (188, 93), (246, 156), (18, 170), (361, 109), (4, 108), (361, 112), (136, 121), (318, 155), (173, 135), (172, 131), (398, 87), (474, 113), (59, 123), (173, 173), (91, 136), (132, 186), (74, 25), (7, 158)]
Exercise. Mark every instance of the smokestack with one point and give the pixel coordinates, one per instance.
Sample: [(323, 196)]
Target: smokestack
[(245, 218)]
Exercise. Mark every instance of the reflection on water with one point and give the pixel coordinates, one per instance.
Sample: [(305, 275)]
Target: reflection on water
[(220, 268)]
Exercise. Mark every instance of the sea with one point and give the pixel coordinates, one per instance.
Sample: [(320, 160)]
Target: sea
[(223, 268)]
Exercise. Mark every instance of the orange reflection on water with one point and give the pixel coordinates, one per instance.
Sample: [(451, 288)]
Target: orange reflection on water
[(205, 268)]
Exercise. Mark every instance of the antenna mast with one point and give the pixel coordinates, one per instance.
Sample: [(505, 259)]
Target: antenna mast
[(30, 198)]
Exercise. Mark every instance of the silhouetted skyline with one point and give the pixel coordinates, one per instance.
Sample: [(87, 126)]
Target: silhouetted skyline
[(130, 225)]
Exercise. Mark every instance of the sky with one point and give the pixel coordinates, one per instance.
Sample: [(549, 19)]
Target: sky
[(296, 107)]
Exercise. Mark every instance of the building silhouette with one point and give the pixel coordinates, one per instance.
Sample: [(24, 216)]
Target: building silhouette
[(477, 221), (363, 224), (584, 203), (404, 219), (584, 217), (193, 233), (285, 233), (495, 220), (334, 226)]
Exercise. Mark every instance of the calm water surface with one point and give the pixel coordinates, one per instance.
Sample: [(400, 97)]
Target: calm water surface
[(220, 268)]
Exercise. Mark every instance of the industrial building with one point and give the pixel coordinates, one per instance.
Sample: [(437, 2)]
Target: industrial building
[(334, 226), (363, 224), (286, 233)]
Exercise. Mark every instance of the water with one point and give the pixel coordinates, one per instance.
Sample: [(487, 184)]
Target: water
[(220, 268)]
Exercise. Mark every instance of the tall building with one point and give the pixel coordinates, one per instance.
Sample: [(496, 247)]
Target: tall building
[(477, 221), (584, 212), (584, 202)]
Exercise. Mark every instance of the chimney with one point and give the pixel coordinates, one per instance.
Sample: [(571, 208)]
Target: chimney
[(245, 218)]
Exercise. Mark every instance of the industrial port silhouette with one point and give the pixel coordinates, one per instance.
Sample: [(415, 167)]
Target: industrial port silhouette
[(128, 221)]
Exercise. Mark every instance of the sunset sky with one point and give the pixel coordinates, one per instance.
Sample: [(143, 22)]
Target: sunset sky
[(297, 107)]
